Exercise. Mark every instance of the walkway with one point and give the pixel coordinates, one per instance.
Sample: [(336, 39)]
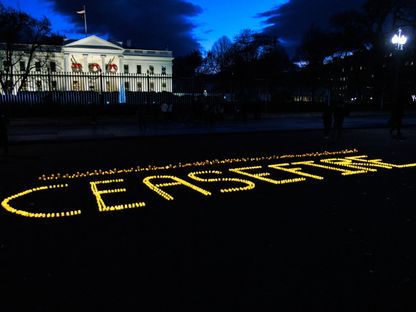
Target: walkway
[(37, 129)]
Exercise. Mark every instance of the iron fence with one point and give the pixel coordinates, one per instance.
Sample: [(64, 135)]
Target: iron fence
[(188, 99)]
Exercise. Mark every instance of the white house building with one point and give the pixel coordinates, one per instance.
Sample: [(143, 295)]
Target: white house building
[(77, 65), (95, 50)]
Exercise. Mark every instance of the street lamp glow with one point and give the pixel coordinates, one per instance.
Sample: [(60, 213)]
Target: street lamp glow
[(399, 40)]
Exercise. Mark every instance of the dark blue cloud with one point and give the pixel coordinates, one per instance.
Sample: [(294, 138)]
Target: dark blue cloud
[(290, 21), (148, 24)]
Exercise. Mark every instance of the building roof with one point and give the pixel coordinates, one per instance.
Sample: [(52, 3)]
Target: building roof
[(95, 42), (92, 42)]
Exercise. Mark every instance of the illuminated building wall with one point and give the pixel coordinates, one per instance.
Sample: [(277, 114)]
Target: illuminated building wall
[(93, 56)]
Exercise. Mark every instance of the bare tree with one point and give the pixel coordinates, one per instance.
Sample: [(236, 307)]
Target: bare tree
[(25, 42), (221, 52)]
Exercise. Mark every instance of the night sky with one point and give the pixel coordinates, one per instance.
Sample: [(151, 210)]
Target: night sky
[(182, 26)]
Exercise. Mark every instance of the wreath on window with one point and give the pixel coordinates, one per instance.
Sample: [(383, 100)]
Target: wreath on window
[(76, 67), (111, 68), (94, 67)]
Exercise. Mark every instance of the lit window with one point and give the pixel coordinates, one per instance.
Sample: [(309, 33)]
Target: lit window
[(108, 86), (75, 85)]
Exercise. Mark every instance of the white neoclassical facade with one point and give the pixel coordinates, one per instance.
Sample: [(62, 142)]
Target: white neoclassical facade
[(76, 65), (92, 51)]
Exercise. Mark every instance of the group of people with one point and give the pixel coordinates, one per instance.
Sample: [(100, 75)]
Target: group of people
[(333, 117)]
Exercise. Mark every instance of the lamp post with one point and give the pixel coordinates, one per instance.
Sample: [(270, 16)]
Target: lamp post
[(399, 40)]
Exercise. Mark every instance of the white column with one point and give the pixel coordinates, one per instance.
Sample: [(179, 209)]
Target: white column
[(121, 64), (85, 63), (103, 63), (121, 70), (67, 63)]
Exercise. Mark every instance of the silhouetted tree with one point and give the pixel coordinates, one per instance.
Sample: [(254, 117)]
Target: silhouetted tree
[(315, 47), (220, 53), (23, 39), (186, 66)]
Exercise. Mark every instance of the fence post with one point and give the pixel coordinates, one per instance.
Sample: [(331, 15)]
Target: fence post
[(101, 89), (148, 88)]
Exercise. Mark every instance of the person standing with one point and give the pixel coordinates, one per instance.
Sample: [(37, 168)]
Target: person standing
[(397, 113), (4, 136), (141, 116), (340, 111), (327, 120)]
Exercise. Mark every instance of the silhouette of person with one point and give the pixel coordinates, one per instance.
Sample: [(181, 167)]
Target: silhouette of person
[(141, 116), (398, 112), (327, 119), (4, 137), (339, 115)]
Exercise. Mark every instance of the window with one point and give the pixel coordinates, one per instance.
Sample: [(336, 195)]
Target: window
[(23, 87), (91, 85), (6, 65), (110, 86), (127, 86), (22, 66), (37, 66), (163, 86), (126, 69), (53, 85), (163, 70), (38, 85), (53, 66), (151, 70), (75, 85), (152, 86), (139, 87), (8, 85), (139, 69)]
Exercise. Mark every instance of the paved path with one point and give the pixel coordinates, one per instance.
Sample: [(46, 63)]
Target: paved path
[(32, 130)]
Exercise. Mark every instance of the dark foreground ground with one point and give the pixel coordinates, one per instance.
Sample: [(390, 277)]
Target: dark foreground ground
[(346, 243)]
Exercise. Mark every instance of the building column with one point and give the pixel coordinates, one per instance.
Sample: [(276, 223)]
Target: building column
[(121, 64), (121, 69), (67, 63), (85, 63), (103, 63)]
